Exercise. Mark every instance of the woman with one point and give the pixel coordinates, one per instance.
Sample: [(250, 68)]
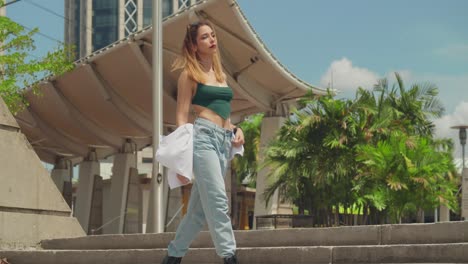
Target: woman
[(202, 85)]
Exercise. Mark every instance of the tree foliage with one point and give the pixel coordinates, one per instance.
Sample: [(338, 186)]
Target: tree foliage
[(18, 70), (374, 156), (246, 166)]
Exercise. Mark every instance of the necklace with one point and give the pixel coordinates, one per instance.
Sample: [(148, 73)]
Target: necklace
[(207, 65)]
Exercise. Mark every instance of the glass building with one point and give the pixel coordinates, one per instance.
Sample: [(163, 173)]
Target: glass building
[(105, 23), (91, 25)]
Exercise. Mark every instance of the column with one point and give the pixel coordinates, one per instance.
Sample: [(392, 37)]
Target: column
[(88, 47), (96, 223), (464, 205), (269, 127), (123, 163), (89, 169), (61, 175), (2, 11), (133, 218), (121, 17), (175, 6), (140, 14), (444, 213)]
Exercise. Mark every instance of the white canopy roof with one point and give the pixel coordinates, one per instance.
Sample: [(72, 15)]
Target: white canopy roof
[(106, 99)]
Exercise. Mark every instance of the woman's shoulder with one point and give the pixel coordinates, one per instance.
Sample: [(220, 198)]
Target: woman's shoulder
[(186, 79), (184, 75)]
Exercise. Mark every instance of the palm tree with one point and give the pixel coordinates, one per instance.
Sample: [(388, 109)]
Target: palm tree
[(314, 159), (414, 171), (312, 156), (244, 168), (390, 111), (413, 108)]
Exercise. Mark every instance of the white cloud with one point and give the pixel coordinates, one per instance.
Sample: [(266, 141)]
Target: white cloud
[(458, 117), (452, 92), (347, 77), (443, 124)]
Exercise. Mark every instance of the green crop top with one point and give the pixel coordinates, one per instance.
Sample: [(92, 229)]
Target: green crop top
[(216, 98)]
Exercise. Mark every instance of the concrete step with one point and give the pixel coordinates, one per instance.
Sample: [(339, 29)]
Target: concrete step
[(422, 253), (451, 232)]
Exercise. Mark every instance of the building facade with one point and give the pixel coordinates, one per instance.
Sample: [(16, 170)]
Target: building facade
[(91, 25)]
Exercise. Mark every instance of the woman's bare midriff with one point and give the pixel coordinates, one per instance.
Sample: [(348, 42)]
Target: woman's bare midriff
[(208, 114)]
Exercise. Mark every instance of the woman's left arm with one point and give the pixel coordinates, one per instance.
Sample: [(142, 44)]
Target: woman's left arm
[(238, 135)]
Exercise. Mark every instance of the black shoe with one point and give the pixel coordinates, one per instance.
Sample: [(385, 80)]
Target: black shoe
[(231, 260), (172, 260)]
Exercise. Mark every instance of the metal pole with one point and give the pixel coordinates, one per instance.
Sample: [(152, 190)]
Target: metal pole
[(462, 135), (156, 217), (464, 178), (463, 157)]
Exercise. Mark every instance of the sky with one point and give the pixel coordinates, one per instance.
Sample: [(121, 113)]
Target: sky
[(360, 41)]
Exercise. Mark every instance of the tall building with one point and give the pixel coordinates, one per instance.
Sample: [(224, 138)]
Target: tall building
[(93, 24), (2, 11)]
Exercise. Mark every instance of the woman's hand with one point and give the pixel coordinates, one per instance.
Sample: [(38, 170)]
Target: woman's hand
[(238, 138), (182, 179)]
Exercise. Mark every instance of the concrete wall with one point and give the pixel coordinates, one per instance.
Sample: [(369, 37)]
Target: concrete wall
[(31, 206), (25, 230), (269, 127)]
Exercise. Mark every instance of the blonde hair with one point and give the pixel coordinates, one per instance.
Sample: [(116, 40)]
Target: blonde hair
[(190, 61)]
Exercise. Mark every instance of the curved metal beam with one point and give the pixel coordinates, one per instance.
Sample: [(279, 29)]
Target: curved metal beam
[(285, 95), (45, 154), (257, 94), (55, 135), (225, 30), (148, 70), (113, 141), (134, 116), (141, 58), (172, 52)]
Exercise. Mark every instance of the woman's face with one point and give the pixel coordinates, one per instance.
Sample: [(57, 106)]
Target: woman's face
[(206, 40)]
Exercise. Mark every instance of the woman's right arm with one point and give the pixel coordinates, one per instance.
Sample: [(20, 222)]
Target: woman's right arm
[(185, 88)]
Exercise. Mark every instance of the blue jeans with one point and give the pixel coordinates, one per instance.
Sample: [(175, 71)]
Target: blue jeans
[(208, 200)]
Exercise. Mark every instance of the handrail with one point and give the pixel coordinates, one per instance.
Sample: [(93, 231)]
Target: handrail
[(177, 213), (94, 230)]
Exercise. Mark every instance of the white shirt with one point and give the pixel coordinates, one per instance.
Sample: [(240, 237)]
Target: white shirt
[(176, 153)]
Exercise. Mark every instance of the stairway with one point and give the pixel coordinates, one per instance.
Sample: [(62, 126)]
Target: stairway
[(409, 243)]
